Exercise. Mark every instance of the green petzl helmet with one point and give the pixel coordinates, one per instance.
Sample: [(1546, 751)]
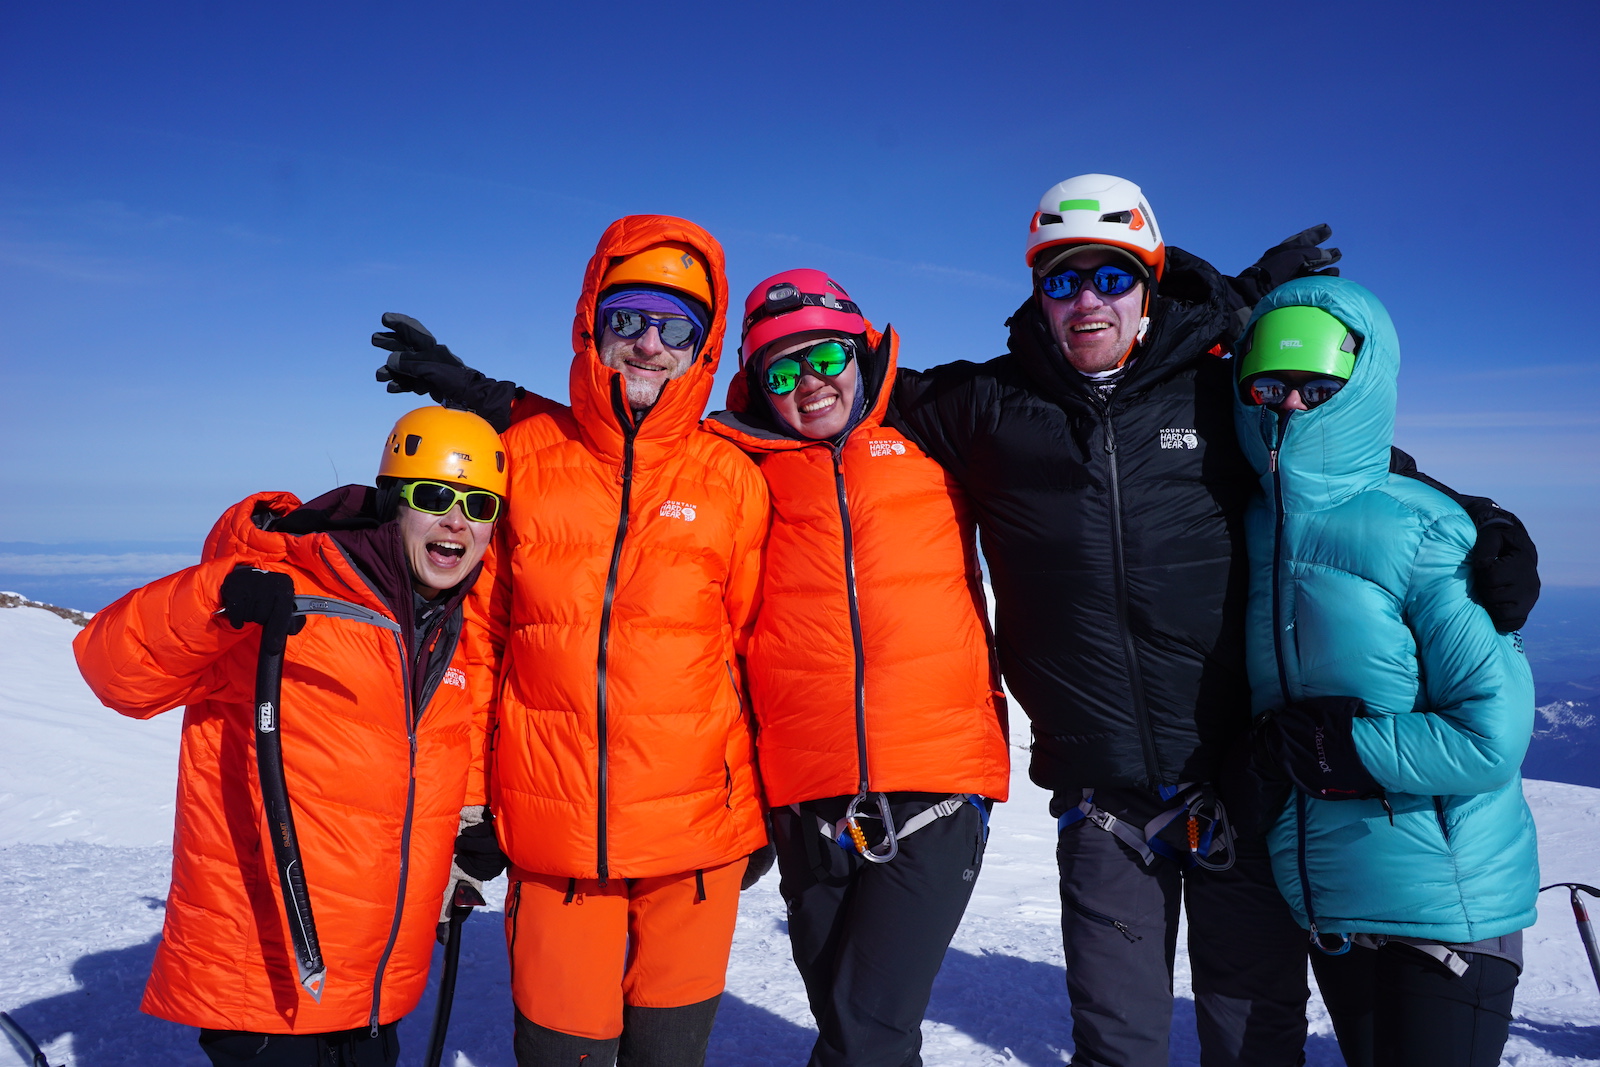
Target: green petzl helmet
[(1300, 338)]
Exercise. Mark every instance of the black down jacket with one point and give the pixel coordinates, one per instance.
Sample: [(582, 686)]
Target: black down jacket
[(1112, 532)]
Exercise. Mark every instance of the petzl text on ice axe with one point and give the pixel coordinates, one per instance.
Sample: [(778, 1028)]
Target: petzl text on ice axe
[(462, 902), (1585, 927), (275, 789)]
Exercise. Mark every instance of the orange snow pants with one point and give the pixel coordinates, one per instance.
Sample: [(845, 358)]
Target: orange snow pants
[(580, 950)]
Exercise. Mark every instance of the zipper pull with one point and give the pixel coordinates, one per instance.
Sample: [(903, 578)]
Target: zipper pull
[(1272, 461)]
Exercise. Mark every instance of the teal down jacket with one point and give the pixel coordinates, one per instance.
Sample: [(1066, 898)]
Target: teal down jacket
[(1368, 570)]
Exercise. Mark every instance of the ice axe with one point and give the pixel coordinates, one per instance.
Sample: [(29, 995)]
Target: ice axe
[(275, 789), (29, 1047), (461, 904), (1585, 927)]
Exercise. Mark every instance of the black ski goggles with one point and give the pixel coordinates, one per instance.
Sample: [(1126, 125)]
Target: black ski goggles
[(1273, 387), (436, 498), (1107, 280), (627, 323), (826, 360)]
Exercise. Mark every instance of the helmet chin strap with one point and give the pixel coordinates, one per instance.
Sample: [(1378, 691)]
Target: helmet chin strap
[(1138, 339)]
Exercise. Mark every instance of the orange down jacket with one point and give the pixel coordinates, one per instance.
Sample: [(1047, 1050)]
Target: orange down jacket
[(884, 683), (376, 818), (629, 564)]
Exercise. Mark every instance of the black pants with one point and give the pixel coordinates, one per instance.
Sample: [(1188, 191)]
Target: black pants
[(1398, 1007), (869, 938), (345, 1048), (1119, 930), (651, 1037)]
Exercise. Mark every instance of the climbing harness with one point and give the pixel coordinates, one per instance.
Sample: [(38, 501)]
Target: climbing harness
[(1204, 831), (848, 835)]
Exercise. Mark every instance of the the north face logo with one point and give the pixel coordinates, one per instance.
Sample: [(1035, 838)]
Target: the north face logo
[(455, 676), (886, 448), (1171, 438), (676, 509)]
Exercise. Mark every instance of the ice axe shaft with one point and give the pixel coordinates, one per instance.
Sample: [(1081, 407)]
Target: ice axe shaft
[(17, 1034), (1580, 914), (309, 965), (461, 904)]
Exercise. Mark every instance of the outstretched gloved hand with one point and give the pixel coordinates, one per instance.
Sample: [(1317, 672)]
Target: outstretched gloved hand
[(1294, 257), (262, 597), (420, 364)]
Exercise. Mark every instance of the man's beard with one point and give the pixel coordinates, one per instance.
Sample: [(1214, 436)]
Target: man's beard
[(642, 396)]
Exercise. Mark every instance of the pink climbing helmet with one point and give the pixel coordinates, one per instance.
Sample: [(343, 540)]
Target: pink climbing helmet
[(796, 301)]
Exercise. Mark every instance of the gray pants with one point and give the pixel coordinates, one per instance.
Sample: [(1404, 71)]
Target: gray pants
[(1119, 927)]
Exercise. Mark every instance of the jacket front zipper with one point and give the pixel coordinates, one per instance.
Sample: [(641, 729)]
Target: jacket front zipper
[(1283, 669), (1141, 712), (855, 619), (629, 432)]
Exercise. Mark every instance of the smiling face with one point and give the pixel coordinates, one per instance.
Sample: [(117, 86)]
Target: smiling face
[(441, 549), (818, 407), (1095, 332), (645, 362)]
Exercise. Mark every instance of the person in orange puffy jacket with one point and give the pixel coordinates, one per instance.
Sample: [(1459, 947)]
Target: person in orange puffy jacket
[(627, 578), (382, 745), (882, 731)]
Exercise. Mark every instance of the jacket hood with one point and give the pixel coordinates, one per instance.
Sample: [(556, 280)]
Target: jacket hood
[(749, 424), (1340, 447), (598, 400), (1190, 314)]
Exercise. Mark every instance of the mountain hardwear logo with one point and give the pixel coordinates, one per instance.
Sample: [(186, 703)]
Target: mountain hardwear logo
[(675, 509), (455, 676), (886, 448), (1177, 438)]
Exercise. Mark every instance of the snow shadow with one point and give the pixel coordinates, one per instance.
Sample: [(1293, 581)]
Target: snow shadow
[(749, 1036), (103, 1016), (1007, 1002), (1559, 1039)]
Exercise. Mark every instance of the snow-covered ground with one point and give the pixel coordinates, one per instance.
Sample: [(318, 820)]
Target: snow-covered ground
[(86, 811)]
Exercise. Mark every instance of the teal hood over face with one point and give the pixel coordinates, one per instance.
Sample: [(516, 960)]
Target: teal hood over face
[(1342, 446)]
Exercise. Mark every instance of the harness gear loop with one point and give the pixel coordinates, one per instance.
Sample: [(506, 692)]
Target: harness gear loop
[(1208, 831)]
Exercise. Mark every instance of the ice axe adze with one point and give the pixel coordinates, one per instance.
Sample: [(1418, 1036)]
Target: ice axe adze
[(461, 904), (275, 789), (1585, 927), (24, 1042)]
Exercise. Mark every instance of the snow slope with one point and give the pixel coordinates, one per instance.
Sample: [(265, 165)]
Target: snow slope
[(86, 807)]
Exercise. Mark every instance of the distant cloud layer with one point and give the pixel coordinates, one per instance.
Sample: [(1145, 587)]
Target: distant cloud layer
[(129, 564)]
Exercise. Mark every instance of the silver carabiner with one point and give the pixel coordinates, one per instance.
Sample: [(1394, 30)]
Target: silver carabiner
[(884, 850)]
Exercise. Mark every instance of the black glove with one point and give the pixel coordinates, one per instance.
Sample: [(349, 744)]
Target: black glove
[(1309, 743), (1295, 257), (1505, 563), (1253, 800), (759, 863), (478, 853), (262, 597), (419, 364)]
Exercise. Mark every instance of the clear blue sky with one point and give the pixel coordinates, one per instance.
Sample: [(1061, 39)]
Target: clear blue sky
[(204, 208)]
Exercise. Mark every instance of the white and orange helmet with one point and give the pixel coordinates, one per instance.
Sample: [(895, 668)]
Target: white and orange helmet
[(1097, 209)]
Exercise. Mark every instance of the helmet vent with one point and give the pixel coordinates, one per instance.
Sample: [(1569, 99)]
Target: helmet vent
[(1123, 217), (413, 442), (500, 462), (1046, 219)]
